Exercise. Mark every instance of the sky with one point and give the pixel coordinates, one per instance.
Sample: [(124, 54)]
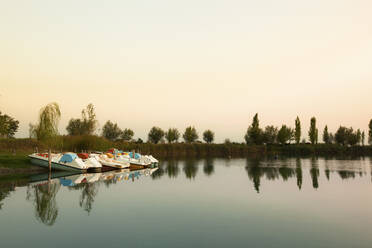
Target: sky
[(211, 64)]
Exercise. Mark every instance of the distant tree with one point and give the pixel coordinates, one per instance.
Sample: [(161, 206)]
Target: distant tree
[(208, 136), (8, 126), (87, 125), (227, 141), (89, 120), (358, 137), (172, 135), (285, 134), (190, 135), (341, 135), (313, 132), (297, 133), (270, 134), (346, 136), (47, 126), (74, 127), (139, 141), (127, 134), (370, 132), (155, 135), (363, 138), (254, 133), (111, 131), (326, 138)]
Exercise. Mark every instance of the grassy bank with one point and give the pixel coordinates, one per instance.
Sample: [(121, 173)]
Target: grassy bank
[(176, 150)]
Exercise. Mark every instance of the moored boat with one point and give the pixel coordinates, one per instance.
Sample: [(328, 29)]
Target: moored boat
[(107, 161), (136, 160), (67, 161)]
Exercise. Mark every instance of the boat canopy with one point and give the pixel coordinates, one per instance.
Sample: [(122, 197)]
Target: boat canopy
[(68, 157), (136, 155)]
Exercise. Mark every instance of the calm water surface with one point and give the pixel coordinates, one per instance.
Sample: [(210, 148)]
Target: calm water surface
[(197, 203)]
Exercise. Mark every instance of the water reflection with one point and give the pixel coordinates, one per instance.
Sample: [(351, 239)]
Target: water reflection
[(43, 197), (42, 190)]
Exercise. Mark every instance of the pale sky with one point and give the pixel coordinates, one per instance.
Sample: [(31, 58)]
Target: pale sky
[(211, 64)]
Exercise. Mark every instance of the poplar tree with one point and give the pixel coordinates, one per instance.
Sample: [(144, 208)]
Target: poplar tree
[(297, 130), (313, 131), (370, 132), (326, 137)]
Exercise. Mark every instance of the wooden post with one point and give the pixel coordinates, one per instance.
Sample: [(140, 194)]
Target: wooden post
[(50, 159), (133, 153)]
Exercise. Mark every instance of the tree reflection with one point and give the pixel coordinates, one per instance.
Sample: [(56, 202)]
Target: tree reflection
[(4, 193), (190, 168), (346, 174), (159, 172), (208, 166), (299, 173), (172, 169), (314, 172), (44, 199), (254, 172), (88, 192)]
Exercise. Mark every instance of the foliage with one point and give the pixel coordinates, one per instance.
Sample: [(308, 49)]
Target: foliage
[(370, 132), (208, 136), (47, 127), (172, 135), (127, 134), (297, 134), (155, 135), (270, 135), (313, 131), (347, 136), (363, 138), (111, 131), (190, 135), (285, 134), (254, 133), (8, 126), (87, 125), (326, 137)]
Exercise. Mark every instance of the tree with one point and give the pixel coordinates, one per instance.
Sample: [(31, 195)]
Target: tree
[(313, 131), (285, 134), (326, 138), (47, 126), (172, 135), (74, 127), (89, 119), (87, 125), (111, 131), (340, 135), (208, 136), (331, 138), (8, 126), (370, 132), (358, 136), (127, 134), (190, 135), (297, 133), (347, 136), (270, 134), (254, 133), (363, 138), (155, 135)]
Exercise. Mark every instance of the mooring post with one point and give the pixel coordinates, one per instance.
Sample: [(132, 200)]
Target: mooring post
[(133, 153), (50, 159)]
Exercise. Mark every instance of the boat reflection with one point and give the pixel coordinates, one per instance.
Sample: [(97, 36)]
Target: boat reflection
[(42, 189)]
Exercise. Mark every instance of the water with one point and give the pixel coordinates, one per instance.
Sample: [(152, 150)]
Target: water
[(198, 203)]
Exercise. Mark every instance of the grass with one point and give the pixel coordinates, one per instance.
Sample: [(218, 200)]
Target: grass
[(18, 161)]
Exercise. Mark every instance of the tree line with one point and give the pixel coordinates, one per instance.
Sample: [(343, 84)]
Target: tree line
[(87, 124), (285, 135)]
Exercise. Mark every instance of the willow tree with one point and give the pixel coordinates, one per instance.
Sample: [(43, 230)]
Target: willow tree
[(47, 127)]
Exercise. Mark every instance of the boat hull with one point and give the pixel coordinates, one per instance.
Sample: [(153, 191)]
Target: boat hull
[(55, 166)]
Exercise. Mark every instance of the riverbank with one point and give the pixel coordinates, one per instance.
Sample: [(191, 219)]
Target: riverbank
[(182, 150)]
